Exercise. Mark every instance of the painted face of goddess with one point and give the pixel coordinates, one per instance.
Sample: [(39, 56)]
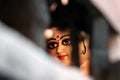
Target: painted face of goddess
[(59, 46)]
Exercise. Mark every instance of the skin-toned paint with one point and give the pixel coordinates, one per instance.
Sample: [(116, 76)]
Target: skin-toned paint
[(59, 46)]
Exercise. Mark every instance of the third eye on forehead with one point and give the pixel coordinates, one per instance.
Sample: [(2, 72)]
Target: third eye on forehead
[(67, 35), (57, 36)]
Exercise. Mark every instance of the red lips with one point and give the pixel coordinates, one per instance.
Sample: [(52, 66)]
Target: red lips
[(62, 56)]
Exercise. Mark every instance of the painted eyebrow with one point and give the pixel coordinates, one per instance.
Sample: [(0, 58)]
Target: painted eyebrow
[(65, 36), (51, 39)]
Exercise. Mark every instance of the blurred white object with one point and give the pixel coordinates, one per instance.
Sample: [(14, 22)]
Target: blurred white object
[(23, 60), (48, 33)]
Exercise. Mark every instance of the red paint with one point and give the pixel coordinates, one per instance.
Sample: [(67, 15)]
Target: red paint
[(57, 36), (61, 57)]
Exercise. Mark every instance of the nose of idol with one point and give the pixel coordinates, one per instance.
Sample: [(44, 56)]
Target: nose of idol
[(60, 48)]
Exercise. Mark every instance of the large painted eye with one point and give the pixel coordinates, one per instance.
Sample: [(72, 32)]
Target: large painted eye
[(52, 45), (66, 42)]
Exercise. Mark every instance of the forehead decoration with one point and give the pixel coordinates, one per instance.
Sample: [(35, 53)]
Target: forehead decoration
[(57, 36)]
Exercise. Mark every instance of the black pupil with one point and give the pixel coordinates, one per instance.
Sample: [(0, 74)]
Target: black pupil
[(66, 42), (52, 45)]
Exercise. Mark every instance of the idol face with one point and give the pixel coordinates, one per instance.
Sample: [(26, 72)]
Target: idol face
[(84, 54), (59, 46)]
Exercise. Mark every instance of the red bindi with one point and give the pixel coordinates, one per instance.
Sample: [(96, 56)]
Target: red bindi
[(57, 36)]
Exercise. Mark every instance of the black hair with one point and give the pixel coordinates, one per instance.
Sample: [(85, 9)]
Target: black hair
[(76, 14)]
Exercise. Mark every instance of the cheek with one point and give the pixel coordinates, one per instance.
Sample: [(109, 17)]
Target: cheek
[(81, 47), (52, 52), (85, 57), (68, 50)]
